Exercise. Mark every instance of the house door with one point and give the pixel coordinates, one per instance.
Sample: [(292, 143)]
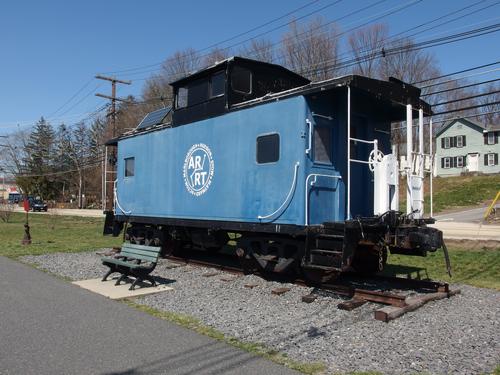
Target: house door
[(473, 162)]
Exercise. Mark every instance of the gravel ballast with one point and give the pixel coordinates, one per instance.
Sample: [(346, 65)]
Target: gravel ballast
[(459, 335)]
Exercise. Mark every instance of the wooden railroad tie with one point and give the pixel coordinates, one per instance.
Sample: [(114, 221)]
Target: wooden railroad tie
[(210, 274), (388, 313), (309, 298), (250, 286), (280, 291), (351, 304), (228, 278)]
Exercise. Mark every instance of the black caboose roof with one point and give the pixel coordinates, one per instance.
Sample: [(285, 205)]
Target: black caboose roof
[(241, 61)]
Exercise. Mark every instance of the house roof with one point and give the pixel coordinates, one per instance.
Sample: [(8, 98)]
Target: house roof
[(492, 128), (481, 127)]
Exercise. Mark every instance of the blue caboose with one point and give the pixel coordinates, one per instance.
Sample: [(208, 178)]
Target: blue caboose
[(302, 172)]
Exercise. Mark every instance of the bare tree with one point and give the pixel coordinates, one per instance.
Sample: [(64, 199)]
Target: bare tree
[(14, 152), (452, 99), (366, 46), (214, 56), (311, 50), (180, 64), (491, 112), (261, 50), (6, 210), (403, 61)]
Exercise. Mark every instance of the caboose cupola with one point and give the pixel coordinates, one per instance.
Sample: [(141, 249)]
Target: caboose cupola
[(214, 90)]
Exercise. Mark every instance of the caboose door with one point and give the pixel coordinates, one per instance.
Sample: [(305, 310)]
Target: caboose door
[(323, 181)]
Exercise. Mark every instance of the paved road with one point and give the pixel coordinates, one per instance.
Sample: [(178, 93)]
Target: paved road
[(468, 231), (48, 326), (474, 215)]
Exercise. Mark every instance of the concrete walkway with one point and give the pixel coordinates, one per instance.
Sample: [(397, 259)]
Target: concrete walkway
[(49, 326), (66, 212)]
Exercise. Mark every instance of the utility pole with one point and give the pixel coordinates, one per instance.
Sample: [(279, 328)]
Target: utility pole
[(113, 98), (109, 161)]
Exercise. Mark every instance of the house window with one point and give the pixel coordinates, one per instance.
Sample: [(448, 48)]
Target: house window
[(491, 138), (323, 144), (460, 161), (241, 80), (446, 142), (492, 160), (268, 148), (129, 167), (460, 141), (446, 163)]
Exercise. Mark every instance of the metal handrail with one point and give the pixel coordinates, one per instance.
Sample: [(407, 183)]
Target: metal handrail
[(309, 144)]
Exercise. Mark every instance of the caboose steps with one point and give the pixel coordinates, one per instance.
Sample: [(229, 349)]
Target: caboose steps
[(329, 258)]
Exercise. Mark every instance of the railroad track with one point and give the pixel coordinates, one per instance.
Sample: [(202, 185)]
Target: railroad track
[(357, 289)]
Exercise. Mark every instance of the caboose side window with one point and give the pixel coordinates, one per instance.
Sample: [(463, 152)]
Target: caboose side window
[(129, 167), (198, 92), (217, 84), (268, 148), (323, 144), (182, 95), (241, 80)]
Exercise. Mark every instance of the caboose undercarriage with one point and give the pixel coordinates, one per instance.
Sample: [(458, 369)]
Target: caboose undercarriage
[(316, 252)]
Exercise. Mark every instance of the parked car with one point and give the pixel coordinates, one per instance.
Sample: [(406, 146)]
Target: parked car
[(38, 205), (14, 198)]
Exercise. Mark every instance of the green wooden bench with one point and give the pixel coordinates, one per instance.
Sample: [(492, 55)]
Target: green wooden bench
[(133, 260)]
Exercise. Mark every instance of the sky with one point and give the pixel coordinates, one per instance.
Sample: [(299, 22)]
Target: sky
[(51, 50)]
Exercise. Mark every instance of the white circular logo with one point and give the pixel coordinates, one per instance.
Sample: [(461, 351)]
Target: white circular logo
[(198, 169)]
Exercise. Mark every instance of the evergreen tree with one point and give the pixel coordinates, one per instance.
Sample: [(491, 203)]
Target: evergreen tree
[(38, 168)]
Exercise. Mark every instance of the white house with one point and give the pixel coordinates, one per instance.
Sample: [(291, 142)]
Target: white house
[(467, 146)]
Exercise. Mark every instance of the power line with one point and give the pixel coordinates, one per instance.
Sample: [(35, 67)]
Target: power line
[(461, 87), (459, 117), (263, 25), (459, 72), (459, 78), (418, 46), (237, 36), (466, 98), (83, 167), (422, 24), (81, 100), (274, 45), (71, 98), (456, 18), (466, 108)]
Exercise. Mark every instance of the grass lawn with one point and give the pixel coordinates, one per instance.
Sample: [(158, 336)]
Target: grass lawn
[(460, 191), (53, 233), (478, 267)]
